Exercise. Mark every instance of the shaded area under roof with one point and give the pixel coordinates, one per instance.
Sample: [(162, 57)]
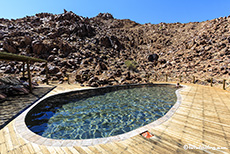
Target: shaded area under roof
[(24, 59)]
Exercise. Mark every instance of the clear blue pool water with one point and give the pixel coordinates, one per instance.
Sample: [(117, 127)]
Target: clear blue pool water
[(105, 115)]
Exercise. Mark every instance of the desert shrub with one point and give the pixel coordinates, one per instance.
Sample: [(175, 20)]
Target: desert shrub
[(131, 65)]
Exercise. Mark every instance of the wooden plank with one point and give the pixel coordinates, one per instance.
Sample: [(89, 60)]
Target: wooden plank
[(139, 145), (80, 150), (3, 148), (101, 149), (13, 136), (9, 144), (2, 139), (30, 148), (24, 149), (164, 145), (17, 151), (23, 69), (36, 147), (10, 152), (87, 150), (51, 150), (44, 149), (124, 148), (66, 150), (94, 149), (115, 147), (131, 147), (22, 141), (160, 146), (58, 150), (73, 150), (108, 148)]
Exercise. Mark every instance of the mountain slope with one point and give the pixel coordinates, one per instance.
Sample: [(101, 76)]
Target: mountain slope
[(100, 50)]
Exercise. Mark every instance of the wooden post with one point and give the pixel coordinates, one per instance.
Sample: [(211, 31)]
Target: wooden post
[(29, 76), (47, 82), (155, 77), (148, 75), (23, 69), (211, 81), (180, 78), (68, 78), (166, 78), (193, 80), (224, 84)]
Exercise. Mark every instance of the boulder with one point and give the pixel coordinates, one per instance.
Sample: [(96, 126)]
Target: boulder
[(9, 69), (93, 79), (59, 75), (38, 47), (105, 16), (28, 49), (128, 76), (78, 78), (94, 84), (27, 40), (9, 46), (162, 61), (101, 67), (51, 58), (111, 42), (65, 48), (53, 69), (153, 57), (118, 73), (105, 41), (1, 34)]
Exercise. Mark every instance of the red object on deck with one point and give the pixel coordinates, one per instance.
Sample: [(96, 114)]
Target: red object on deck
[(147, 134)]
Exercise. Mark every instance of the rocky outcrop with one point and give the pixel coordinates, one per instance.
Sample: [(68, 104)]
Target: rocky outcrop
[(96, 50), (105, 16)]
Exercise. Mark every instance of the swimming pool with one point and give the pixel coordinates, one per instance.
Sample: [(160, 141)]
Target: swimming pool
[(101, 112)]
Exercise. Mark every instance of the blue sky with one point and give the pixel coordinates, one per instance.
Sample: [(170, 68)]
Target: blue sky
[(141, 11)]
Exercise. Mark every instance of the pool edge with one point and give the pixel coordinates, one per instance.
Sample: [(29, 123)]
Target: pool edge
[(30, 136)]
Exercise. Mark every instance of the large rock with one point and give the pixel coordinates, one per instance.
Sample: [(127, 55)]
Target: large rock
[(38, 47), (105, 16), (9, 69), (2, 34), (82, 30), (53, 69), (9, 46), (51, 58), (111, 42), (106, 41), (101, 67), (28, 40), (65, 48), (153, 57)]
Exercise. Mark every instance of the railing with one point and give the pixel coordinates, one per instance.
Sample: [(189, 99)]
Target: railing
[(162, 77), (170, 77), (213, 82)]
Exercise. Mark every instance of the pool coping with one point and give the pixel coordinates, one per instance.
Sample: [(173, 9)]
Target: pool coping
[(30, 136)]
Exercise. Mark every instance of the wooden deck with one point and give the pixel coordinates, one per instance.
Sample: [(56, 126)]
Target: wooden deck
[(203, 119)]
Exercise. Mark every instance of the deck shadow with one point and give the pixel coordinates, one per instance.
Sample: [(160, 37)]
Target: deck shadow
[(12, 106)]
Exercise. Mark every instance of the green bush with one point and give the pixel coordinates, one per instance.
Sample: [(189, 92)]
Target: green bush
[(131, 65)]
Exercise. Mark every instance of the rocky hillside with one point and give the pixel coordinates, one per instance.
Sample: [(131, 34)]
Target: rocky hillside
[(103, 50)]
